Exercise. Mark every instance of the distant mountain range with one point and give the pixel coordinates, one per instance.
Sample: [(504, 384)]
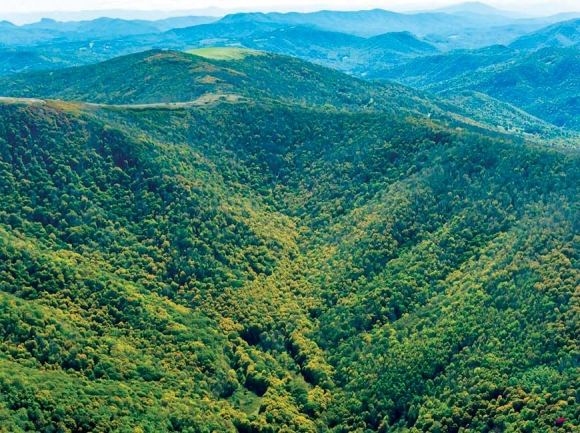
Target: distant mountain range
[(153, 15), (51, 31), (464, 48), (124, 14), (334, 39), (479, 8), (537, 73), (445, 26)]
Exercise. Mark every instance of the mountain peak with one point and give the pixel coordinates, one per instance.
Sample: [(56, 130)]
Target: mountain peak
[(245, 17), (475, 8)]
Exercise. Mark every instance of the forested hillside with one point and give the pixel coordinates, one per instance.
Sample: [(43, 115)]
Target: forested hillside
[(169, 76), (560, 35), (278, 264), (544, 83), (163, 78)]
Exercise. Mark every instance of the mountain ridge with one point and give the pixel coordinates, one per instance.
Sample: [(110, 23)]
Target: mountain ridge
[(174, 79), (563, 35), (478, 8)]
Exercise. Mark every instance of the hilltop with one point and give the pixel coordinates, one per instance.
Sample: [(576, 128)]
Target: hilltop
[(167, 77)]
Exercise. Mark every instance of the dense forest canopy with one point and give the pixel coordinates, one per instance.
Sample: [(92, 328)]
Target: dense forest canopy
[(165, 78), (267, 267), (238, 241)]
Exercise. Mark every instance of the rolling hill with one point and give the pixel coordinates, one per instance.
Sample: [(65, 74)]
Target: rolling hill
[(290, 261), (542, 82), (167, 77), (560, 35), (425, 72), (13, 61)]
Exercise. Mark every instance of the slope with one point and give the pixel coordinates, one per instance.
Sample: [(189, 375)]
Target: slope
[(12, 61), (562, 35), (269, 267), (165, 77), (428, 71), (117, 252), (543, 82), (340, 51)]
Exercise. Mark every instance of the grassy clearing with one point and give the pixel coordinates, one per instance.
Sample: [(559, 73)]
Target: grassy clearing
[(224, 53)]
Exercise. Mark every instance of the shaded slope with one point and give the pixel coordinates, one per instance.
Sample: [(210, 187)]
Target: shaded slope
[(544, 83), (12, 61), (404, 43), (428, 71), (341, 51)]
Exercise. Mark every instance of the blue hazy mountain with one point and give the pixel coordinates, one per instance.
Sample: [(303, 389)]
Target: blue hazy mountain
[(52, 31), (543, 82), (370, 22), (564, 34), (478, 8)]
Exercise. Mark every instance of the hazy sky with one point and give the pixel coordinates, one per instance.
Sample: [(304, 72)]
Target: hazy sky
[(24, 6)]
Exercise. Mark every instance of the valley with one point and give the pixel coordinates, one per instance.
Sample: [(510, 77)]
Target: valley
[(245, 238)]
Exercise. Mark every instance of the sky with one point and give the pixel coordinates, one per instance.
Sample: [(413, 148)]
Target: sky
[(33, 7)]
